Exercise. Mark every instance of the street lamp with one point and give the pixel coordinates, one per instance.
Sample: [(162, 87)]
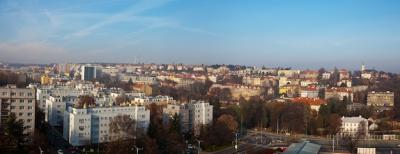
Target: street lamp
[(41, 151), (198, 150), (137, 149), (236, 141)]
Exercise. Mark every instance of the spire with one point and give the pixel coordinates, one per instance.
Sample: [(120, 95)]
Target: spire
[(362, 67)]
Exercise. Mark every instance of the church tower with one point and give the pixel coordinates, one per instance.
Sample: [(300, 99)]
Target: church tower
[(362, 67)]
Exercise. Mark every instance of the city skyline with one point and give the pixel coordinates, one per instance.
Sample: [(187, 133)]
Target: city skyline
[(303, 35)]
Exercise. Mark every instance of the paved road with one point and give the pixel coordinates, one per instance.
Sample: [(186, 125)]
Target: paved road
[(243, 148), (252, 143)]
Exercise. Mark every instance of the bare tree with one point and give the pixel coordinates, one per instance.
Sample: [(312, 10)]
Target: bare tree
[(121, 99), (123, 127), (123, 133), (85, 100), (229, 121)]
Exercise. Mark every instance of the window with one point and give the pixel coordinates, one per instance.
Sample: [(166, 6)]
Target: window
[(29, 107), (81, 120), (12, 107), (30, 101), (4, 93), (20, 114), (30, 114), (29, 94), (28, 120), (12, 93), (21, 94), (21, 100)]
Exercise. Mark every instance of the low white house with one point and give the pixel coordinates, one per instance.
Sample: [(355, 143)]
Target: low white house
[(353, 125)]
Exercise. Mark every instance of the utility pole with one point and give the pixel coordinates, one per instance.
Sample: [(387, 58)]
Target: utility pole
[(277, 125), (333, 144), (261, 133)]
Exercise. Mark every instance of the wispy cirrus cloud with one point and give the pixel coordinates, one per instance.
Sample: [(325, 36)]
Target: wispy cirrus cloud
[(128, 14)]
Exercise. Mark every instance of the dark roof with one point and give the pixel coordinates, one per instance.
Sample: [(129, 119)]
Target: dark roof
[(303, 148)]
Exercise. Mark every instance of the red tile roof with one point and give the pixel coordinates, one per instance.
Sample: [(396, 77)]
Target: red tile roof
[(309, 101)]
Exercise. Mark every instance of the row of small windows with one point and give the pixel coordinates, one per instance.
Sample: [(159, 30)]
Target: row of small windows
[(27, 120), (83, 120), (351, 124), (21, 114), (21, 100), (14, 94), (22, 107), (113, 110)]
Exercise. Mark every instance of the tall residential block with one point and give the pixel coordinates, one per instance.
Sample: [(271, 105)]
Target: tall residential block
[(21, 102)]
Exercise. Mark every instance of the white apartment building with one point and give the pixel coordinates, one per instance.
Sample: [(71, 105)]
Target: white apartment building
[(193, 115), (339, 93), (326, 76), (254, 81), (44, 93), (83, 126), (179, 109), (309, 92), (21, 102), (55, 108), (146, 100), (351, 125)]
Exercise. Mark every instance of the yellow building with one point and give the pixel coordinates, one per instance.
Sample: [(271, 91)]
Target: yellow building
[(289, 90), (45, 80), (144, 88)]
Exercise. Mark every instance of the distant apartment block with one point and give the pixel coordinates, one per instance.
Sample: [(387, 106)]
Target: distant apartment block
[(380, 99), (339, 93), (88, 73), (309, 92), (21, 102)]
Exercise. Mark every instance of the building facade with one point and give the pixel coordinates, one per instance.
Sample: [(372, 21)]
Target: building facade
[(88, 73), (193, 115), (380, 99), (353, 126), (55, 108), (21, 102), (339, 93), (84, 126)]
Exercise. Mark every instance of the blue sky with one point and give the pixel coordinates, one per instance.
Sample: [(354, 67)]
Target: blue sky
[(300, 34)]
